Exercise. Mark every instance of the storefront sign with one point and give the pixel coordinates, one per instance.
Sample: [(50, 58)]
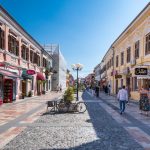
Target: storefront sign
[(118, 76), (141, 71), (30, 72)]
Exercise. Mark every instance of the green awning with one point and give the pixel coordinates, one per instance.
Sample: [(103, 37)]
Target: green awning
[(25, 75)]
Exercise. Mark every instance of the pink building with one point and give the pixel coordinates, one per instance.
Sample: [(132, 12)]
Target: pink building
[(24, 64)]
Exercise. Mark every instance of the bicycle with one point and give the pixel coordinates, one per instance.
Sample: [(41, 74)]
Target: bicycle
[(62, 106)]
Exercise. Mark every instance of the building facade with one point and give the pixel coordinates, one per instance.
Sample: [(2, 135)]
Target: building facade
[(127, 61), (23, 62), (60, 66)]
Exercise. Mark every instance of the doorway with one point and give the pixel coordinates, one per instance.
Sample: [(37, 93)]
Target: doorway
[(24, 91)]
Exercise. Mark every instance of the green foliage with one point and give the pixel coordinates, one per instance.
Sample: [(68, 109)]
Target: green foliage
[(68, 95)]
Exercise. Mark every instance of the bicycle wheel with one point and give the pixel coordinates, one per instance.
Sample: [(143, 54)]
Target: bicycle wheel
[(62, 107), (81, 107)]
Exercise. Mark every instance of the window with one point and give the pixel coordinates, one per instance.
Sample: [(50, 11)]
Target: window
[(31, 56), (137, 46), (13, 45), (117, 61), (147, 44), (128, 54), (135, 83), (122, 58), (112, 61), (2, 39), (44, 62), (25, 52), (38, 60)]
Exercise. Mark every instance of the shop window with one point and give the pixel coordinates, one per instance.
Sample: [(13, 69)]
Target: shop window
[(122, 58), (13, 45), (2, 39), (128, 54), (137, 46), (117, 61), (25, 52), (147, 44)]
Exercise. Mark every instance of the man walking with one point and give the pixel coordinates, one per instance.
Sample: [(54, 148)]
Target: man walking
[(123, 98)]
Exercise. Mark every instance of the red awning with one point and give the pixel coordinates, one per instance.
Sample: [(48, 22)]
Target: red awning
[(9, 74), (40, 76)]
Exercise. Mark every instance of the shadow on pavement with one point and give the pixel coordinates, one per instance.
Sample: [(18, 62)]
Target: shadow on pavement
[(110, 135)]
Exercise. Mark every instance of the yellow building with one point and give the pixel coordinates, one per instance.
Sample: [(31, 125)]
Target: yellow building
[(129, 51)]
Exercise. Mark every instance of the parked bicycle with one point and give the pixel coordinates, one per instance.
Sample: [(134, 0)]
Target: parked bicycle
[(62, 106)]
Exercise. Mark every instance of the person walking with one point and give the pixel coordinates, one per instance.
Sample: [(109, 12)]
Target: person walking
[(123, 98), (97, 91)]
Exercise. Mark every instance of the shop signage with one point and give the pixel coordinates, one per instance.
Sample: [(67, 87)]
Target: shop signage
[(141, 71), (118, 76), (30, 72)]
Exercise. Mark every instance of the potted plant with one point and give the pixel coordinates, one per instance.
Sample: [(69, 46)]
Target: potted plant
[(68, 95), (30, 94)]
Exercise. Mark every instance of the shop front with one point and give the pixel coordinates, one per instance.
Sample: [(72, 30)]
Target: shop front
[(27, 82), (40, 82), (8, 86)]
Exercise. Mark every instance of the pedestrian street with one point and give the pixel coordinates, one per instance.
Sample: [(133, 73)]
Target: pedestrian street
[(100, 127)]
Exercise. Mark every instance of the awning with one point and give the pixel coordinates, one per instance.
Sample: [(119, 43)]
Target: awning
[(40, 76), (143, 77), (9, 74), (25, 75)]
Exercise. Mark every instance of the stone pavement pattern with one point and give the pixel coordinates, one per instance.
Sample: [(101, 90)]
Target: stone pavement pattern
[(94, 129), (21, 111)]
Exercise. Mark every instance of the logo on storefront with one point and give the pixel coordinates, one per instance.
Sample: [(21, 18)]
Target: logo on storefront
[(30, 72), (141, 71)]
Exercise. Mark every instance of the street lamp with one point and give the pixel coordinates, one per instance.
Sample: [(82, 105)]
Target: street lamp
[(77, 67)]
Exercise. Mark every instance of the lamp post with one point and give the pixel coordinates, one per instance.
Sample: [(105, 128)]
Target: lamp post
[(77, 67)]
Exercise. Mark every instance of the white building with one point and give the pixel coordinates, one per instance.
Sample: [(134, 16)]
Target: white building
[(59, 68)]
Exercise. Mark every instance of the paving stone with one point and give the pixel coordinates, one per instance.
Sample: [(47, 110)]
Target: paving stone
[(95, 129)]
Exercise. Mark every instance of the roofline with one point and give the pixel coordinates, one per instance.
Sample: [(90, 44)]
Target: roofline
[(127, 28), (6, 12)]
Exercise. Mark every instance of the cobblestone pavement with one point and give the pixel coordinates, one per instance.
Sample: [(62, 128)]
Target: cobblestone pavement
[(97, 129), (21, 111)]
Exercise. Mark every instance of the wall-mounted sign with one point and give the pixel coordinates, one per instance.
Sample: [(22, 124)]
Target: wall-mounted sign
[(118, 76), (141, 71), (30, 72)]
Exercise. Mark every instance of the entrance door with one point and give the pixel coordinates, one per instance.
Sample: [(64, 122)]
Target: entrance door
[(128, 85), (24, 87), (116, 86)]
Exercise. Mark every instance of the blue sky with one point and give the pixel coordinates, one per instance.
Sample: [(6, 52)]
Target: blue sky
[(84, 29)]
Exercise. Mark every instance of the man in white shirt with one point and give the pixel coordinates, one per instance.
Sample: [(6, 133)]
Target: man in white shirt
[(123, 98)]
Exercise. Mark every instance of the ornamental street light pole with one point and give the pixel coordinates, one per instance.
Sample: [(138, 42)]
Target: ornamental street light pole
[(77, 67)]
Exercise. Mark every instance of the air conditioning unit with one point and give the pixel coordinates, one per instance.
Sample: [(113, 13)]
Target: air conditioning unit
[(133, 61)]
